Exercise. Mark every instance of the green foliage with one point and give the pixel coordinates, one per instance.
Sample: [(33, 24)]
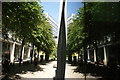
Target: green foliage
[(27, 22), (44, 38), (21, 17), (75, 35), (103, 20)]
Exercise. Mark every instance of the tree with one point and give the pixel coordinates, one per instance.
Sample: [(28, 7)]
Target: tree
[(22, 18), (101, 22), (75, 34), (44, 39)]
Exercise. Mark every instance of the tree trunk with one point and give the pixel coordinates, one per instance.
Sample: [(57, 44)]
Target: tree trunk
[(81, 59), (75, 59), (85, 60), (20, 60), (31, 53), (70, 57), (38, 53), (46, 57), (41, 58)]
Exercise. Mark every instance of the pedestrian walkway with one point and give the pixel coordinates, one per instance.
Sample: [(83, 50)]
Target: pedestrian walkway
[(49, 72)]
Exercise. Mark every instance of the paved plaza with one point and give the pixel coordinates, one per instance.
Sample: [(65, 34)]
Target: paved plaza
[(49, 72)]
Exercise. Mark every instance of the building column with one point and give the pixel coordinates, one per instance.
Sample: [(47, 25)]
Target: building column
[(12, 51), (23, 52), (95, 55), (105, 56), (28, 55), (39, 56), (88, 54)]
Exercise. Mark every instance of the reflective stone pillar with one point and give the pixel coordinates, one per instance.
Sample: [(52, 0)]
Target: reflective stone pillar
[(61, 51)]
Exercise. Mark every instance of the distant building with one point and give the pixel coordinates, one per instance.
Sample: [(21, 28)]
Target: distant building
[(70, 19), (54, 26)]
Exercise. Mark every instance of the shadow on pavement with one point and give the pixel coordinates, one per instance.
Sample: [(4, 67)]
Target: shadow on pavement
[(45, 62), (23, 69), (14, 70), (72, 63), (99, 71)]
